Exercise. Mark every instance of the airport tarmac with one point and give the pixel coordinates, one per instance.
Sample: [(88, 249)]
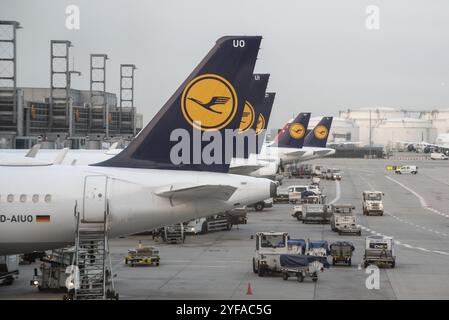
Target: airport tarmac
[(219, 265)]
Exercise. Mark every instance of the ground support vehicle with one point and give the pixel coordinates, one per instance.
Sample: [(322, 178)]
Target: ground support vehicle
[(281, 196), (51, 275), (216, 222), (316, 213), (259, 206), (343, 219), (142, 256), (372, 203), (269, 246), (341, 252), (174, 233), (297, 209), (9, 269), (379, 250), (238, 216)]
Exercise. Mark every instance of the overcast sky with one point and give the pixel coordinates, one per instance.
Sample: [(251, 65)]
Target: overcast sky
[(321, 56)]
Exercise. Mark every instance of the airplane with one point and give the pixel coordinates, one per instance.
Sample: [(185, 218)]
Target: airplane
[(156, 180), (240, 164), (440, 145), (311, 147)]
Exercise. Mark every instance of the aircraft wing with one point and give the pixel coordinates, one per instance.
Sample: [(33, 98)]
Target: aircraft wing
[(244, 169), (195, 192)]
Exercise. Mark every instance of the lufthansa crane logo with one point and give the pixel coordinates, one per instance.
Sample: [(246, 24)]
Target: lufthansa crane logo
[(209, 102), (320, 132), (297, 131), (260, 124), (247, 117)]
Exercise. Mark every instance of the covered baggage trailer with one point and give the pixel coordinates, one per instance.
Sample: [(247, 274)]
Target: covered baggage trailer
[(302, 266), (319, 248), (379, 250), (296, 246), (341, 252)]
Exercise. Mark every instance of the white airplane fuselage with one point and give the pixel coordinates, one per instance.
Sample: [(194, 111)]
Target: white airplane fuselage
[(58, 191)]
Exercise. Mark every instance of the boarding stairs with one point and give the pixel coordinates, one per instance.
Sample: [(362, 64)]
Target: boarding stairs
[(92, 260)]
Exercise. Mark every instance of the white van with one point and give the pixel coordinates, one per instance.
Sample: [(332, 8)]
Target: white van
[(438, 156), (406, 169), (294, 193)]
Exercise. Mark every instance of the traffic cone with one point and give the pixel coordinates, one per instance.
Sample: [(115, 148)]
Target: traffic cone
[(249, 291)]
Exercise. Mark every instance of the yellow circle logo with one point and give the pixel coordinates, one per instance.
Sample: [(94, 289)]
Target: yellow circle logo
[(297, 131), (320, 132), (209, 102), (260, 124), (247, 117)]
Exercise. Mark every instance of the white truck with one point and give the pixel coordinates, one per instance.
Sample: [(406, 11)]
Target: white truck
[(343, 219), (372, 203), (379, 250)]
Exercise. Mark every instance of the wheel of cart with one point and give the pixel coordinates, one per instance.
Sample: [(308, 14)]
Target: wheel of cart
[(300, 277), (314, 277), (285, 275)]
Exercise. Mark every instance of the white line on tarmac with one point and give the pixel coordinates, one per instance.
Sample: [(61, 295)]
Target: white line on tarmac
[(422, 201), (337, 192), (399, 243)]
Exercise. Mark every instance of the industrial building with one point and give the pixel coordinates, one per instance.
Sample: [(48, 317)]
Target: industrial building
[(60, 116), (390, 126)]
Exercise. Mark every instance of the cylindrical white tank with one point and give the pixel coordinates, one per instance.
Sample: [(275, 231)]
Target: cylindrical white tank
[(396, 130)]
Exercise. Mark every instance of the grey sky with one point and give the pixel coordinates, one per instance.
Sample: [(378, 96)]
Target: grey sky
[(320, 55)]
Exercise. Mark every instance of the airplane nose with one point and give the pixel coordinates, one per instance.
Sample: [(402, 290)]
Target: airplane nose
[(273, 189)]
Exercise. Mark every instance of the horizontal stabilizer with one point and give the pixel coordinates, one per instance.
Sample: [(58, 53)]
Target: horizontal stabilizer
[(298, 153), (244, 170), (321, 152), (195, 192)]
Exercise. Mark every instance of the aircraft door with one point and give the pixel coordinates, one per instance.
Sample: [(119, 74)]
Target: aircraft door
[(95, 199)]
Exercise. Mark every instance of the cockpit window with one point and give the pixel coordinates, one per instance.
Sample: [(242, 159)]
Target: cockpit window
[(35, 198), (47, 198), (23, 198), (10, 198)]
